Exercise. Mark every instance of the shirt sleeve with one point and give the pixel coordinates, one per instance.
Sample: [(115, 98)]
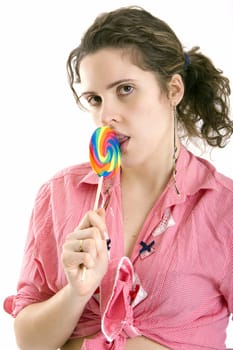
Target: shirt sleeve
[(33, 285)]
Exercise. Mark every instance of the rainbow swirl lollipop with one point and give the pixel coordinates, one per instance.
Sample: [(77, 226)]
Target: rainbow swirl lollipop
[(104, 152), (105, 159)]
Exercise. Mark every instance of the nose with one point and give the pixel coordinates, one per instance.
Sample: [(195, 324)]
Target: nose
[(108, 113), (108, 119)]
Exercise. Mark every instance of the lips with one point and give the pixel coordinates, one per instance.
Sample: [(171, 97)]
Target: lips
[(123, 141), (122, 138)]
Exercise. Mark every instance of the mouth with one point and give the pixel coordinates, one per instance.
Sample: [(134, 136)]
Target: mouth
[(123, 141), (122, 138)]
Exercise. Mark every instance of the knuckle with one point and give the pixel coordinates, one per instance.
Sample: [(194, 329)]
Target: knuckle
[(94, 232), (91, 244), (91, 247), (66, 247), (64, 257), (70, 236), (89, 214), (88, 260)]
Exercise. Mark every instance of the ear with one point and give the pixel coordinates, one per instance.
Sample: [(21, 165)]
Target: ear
[(176, 89)]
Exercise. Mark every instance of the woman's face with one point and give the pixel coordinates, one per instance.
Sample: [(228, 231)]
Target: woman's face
[(129, 100)]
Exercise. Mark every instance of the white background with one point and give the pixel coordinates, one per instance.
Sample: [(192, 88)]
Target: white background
[(42, 129)]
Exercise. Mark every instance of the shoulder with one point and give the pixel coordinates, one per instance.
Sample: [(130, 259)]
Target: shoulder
[(198, 175), (62, 194), (220, 182), (78, 172), (219, 198), (223, 199), (66, 180), (224, 182)]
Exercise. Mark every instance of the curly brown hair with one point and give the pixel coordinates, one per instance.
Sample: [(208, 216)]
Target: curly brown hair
[(204, 110)]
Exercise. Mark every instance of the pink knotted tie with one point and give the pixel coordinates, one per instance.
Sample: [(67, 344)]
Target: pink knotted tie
[(120, 292)]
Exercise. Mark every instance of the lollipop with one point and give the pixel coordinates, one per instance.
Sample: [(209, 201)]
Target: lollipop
[(105, 155), (105, 159)]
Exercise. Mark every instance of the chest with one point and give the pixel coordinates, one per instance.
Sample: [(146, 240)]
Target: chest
[(185, 246), (185, 252), (134, 217)]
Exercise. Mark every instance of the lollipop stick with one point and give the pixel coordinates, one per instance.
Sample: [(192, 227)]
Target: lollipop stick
[(83, 273), (97, 197)]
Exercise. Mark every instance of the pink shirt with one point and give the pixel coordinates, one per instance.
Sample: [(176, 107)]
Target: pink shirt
[(177, 286)]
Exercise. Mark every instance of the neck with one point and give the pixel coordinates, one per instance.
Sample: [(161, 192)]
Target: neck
[(152, 176)]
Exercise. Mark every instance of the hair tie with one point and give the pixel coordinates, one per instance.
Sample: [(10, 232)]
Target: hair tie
[(186, 60)]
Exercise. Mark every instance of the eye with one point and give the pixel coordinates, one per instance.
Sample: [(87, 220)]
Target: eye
[(90, 101), (125, 89), (94, 100)]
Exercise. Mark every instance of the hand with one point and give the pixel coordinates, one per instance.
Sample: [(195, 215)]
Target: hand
[(90, 235)]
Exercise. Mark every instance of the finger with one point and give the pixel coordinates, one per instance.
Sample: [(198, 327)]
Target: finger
[(83, 245), (94, 219), (91, 233), (74, 260)]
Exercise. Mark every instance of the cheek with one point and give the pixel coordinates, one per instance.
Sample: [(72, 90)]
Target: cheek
[(154, 123), (95, 119)]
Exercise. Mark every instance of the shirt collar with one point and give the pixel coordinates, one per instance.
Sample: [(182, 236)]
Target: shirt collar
[(92, 178), (193, 174)]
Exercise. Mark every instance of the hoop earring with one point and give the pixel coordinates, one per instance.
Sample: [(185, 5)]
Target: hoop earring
[(175, 150)]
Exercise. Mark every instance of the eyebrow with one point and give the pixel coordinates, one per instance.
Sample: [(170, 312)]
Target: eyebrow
[(109, 86)]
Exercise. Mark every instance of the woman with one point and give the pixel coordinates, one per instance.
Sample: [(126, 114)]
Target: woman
[(167, 215)]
